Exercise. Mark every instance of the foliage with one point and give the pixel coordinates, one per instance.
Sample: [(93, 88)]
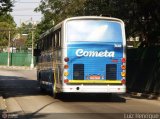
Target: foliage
[(141, 17), (6, 22), (55, 11), (5, 6), (25, 32)]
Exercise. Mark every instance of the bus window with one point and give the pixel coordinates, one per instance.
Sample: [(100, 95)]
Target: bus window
[(43, 44), (44, 41), (58, 39), (50, 41), (59, 34), (47, 42), (94, 31), (53, 40)]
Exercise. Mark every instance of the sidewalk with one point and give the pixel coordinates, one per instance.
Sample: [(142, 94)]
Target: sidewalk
[(2, 104), (144, 96), (17, 67)]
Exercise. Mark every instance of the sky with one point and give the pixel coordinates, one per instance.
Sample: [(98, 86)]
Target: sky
[(23, 11)]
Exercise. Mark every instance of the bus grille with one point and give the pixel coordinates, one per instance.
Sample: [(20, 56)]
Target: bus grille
[(111, 70), (78, 71)]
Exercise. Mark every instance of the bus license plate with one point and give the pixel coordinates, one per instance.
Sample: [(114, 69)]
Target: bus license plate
[(95, 77)]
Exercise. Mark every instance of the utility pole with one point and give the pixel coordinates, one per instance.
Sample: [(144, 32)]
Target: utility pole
[(9, 40), (32, 58)]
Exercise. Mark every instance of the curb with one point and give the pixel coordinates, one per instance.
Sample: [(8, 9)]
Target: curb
[(158, 98), (17, 68), (144, 95)]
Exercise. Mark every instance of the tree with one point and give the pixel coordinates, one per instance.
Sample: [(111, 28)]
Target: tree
[(54, 11), (141, 17), (25, 39), (5, 6), (6, 22)]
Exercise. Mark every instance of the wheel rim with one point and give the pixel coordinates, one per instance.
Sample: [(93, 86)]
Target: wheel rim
[(54, 90), (54, 86)]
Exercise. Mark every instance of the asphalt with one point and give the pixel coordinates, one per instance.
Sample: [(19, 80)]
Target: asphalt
[(3, 107), (3, 104)]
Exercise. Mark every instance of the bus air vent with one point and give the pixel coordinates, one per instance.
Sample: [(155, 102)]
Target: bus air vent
[(111, 71), (78, 71)]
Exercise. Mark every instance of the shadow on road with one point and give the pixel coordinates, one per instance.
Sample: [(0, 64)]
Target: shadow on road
[(92, 98), (13, 86)]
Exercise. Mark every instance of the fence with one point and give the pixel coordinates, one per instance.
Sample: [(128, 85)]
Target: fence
[(16, 59), (143, 70)]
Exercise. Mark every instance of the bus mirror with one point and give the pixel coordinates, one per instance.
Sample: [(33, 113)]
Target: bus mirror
[(37, 52)]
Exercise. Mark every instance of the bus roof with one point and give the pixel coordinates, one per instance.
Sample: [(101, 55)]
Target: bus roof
[(93, 17)]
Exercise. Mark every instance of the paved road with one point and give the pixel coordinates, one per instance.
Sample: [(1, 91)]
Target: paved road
[(24, 100)]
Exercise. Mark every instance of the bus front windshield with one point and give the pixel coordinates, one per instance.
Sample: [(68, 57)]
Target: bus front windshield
[(94, 31)]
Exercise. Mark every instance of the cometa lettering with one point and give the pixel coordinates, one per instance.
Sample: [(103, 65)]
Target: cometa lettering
[(81, 52)]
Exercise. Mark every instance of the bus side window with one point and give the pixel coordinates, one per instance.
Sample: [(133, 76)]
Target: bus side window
[(42, 44), (59, 34), (53, 40), (50, 41), (46, 40), (57, 39), (46, 43), (55, 35)]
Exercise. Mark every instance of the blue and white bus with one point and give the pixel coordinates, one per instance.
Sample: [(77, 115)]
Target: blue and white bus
[(83, 55)]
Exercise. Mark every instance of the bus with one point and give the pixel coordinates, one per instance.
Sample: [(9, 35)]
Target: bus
[(84, 54)]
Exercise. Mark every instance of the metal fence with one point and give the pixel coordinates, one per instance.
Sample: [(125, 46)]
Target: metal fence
[(16, 59)]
